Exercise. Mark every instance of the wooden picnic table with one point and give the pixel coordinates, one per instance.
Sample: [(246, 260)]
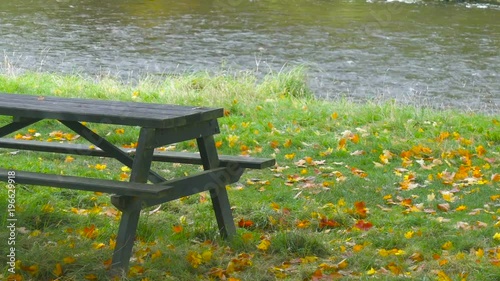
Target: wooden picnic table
[(160, 125)]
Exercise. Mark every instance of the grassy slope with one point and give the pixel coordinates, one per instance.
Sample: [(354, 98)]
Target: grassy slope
[(373, 191)]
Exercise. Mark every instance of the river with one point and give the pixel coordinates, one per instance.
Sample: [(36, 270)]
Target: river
[(436, 54)]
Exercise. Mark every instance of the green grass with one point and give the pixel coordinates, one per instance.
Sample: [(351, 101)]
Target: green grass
[(331, 157)]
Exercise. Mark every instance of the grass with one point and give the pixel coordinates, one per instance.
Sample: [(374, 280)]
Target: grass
[(375, 191)]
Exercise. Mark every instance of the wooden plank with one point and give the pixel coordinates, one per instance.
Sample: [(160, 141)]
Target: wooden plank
[(87, 184), (158, 156), (188, 132), (206, 180), (105, 111)]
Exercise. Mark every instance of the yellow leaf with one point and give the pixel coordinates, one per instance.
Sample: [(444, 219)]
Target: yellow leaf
[(69, 159), (443, 277), (447, 245), (100, 167), (371, 271), (496, 236), (47, 208), (206, 255), (287, 143), (479, 253), (32, 269), (68, 260), (136, 270), (58, 270), (120, 131), (334, 115), (461, 208), (409, 234), (96, 245), (194, 259), (480, 150), (125, 169), (448, 196), (264, 245), (91, 277), (290, 156), (156, 255)]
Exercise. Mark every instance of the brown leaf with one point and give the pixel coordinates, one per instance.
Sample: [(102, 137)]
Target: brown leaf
[(445, 207)]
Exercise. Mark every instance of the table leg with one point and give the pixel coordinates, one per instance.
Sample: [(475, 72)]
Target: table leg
[(220, 199), (130, 206)]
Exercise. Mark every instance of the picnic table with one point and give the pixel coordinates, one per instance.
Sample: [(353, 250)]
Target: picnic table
[(160, 125)]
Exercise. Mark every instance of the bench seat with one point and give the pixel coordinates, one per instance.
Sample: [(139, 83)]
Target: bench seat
[(142, 190), (159, 156)]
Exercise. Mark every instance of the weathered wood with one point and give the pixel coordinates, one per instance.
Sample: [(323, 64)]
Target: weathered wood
[(103, 111), (16, 125), (108, 147), (131, 209), (206, 180), (188, 132), (220, 199), (88, 184), (159, 156)]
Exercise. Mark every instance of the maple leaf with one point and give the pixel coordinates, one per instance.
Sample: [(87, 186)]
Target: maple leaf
[(360, 209), (89, 232), (177, 228), (264, 245), (194, 259), (245, 223), (363, 225), (447, 245), (325, 222), (303, 224)]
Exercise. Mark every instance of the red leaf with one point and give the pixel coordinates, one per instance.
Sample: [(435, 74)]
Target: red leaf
[(245, 223), (363, 225), (325, 222)]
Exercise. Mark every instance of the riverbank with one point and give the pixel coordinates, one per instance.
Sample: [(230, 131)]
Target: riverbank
[(360, 191)]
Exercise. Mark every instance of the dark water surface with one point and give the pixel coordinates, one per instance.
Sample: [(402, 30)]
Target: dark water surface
[(436, 54)]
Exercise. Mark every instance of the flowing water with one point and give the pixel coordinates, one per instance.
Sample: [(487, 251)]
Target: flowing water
[(424, 53)]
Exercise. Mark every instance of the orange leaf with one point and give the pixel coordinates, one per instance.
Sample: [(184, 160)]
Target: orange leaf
[(363, 225), (245, 223), (394, 268), (177, 228), (342, 144), (58, 271), (274, 144), (325, 222), (303, 224), (361, 209), (89, 232)]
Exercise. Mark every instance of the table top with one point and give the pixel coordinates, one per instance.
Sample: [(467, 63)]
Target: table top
[(104, 111)]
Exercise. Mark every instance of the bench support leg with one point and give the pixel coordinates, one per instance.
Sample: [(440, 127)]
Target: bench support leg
[(131, 210), (220, 199), (130, 206)]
